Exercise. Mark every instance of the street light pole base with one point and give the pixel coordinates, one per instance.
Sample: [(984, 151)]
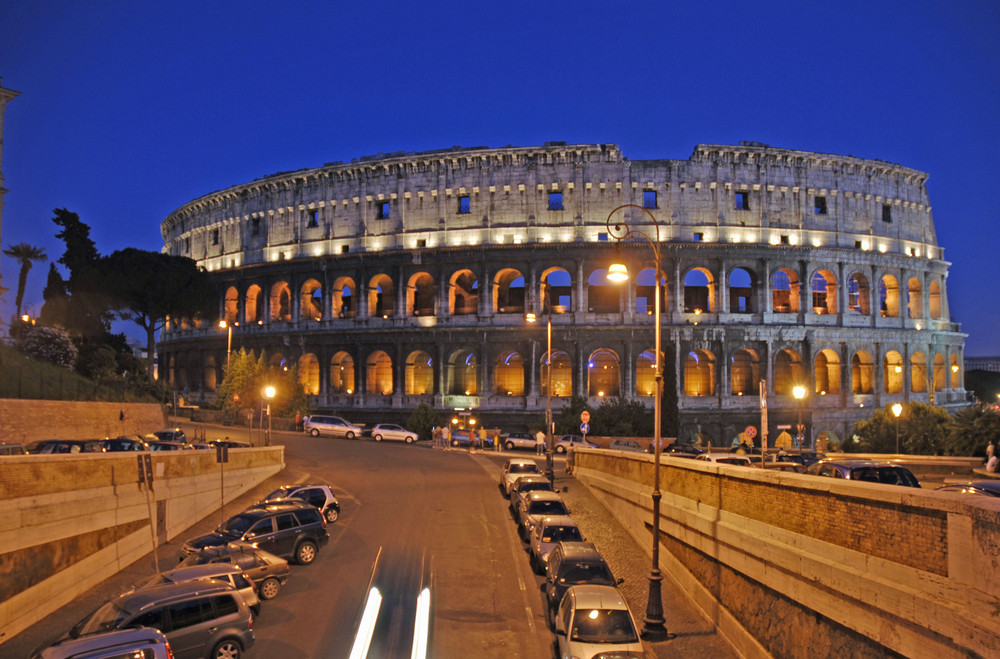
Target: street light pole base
[(654, 625)]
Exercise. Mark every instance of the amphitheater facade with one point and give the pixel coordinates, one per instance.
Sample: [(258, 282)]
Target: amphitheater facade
[(406, 278)]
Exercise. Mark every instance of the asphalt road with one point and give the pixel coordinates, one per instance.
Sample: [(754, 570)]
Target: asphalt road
[(411, 517)]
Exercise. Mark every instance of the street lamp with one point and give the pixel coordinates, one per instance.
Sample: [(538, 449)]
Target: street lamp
[(654, 623), (268, 394), (531, 317), (897, 409), (800, 393), (229, 342)]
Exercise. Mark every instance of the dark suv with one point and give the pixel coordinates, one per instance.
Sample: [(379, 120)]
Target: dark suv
[(290, 529), (864, 470), (201, 618), (571, 564)]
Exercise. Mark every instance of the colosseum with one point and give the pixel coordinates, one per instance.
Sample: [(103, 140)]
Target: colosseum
[(408, 278)]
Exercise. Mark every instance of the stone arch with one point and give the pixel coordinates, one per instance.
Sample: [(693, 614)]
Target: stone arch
[(281, 302), (826, 372), (888, 293), (277, 361), (699, 290), (862, 373), (211, 374), (420, 294), (231, 306), (744, 372), (463, 293), (788, 371), (858, 294), (918, 372), (508, 291), (939, 372), (508, 374), (557, 291), (378, 373), (603, 373), (827, 441), (419, 375), (381, 296), (699, 373), (462, 374), (309, 374), (914, 298), (892, 372), (955, 369), (645, 373), (562, 374), (934, 299), (824, 292), (785, 291), (602, 295), (645, 290), (311, 300), (253, 311), (341, 373), (342, 304), (742, 290)]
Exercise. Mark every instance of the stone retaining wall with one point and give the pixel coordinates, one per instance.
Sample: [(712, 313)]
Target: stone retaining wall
[(26, 421), (790, 565)]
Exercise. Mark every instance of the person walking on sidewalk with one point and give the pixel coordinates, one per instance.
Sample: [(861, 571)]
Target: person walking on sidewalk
[(539, 443)]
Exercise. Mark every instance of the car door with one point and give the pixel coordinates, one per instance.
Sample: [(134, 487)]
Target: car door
[(287, 531), (190, 622), (261, 534)]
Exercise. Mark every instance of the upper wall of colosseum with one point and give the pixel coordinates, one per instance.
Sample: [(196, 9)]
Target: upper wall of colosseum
[(748, 193)]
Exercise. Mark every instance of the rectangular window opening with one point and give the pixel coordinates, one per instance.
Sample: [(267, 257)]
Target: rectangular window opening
[(344, 249), (382, 210), (555, 201), (784, 239), (699, 236), (742, 200), (887, 212), (649, 199), (215, 237), (421, 242), (857, 244), (602, 237), (464, 204), (313, 218), (819, 205), (255, 226)]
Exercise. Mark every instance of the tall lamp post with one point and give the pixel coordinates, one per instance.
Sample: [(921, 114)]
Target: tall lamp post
[(268, 394), (654, 624), (800, 393), (229, 342), (897, 409), (531, 317)]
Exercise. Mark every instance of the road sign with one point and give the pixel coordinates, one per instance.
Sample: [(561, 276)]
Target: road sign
[(584, 427), (585, 416), (750, 432), (221, 454)]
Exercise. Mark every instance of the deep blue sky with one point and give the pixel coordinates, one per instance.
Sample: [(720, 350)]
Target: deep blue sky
[(130, 109)]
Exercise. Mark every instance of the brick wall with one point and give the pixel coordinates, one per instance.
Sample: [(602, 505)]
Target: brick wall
[(790, 565), (26, 421)]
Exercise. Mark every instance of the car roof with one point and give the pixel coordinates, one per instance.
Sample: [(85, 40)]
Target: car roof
[(558, 520), (856, 462), (206, 571), (116, 639), (536, 495), (580, 551), (520, 461), (277, 505), (590, 596), (139, 599), (531, 478), (986, 487)]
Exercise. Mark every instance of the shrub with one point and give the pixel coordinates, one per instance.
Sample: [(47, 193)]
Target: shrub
[(49, 344)]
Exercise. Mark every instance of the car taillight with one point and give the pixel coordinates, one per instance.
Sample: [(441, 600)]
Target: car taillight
[(252, 584), (250, 623), (170, 653)]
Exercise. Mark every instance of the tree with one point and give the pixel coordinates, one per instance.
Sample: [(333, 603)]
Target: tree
[(620, 417), (922, 431), (146, 287), (49, 344), (567, 422), (423, 419), (87, 311), (55, 311), (971, 429), (247, 375), (26, 255)]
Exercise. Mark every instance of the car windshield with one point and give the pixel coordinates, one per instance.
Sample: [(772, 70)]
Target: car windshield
[(595, 573), (535, 485), (108, 617), (524, 469), (281, 492), (603, 626), (237, 526), (547, 508), (887, 475), (557, 533)]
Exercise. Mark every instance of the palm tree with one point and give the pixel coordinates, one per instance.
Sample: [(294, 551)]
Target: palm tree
[(26, 255)]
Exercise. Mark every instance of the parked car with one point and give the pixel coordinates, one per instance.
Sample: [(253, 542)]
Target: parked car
[(512, 469), (12, 448), (224, 572), (165, 445), (595, 621), (725, 458), (393, 432), (47, 446), (626, 445), (549, 531), (535, 506), (460, 438), (869, 471), (566, 442), (125, 443), (525, 484), (572, 564), (171, 435), (267, 571), (811, 457), (515, 440), (334, 426), (316, 494), (987, 488), (141, 642), (291, 529), (227, 443), (682, 450), (199, 618)]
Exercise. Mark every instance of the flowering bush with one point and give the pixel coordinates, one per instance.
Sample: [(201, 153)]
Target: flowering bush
[(49, 344)]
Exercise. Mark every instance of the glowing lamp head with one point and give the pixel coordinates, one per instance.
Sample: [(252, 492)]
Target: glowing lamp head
[(530, 317), (799, 392), (269, 392), (222, 324), (897, 409), (618, 273)]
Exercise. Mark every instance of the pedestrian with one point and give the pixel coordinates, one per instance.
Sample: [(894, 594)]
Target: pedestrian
[(539, 443), (298, 420), (473, 438), (445, 436), (497, 446), (570, 459), (991, 450), (991, 465), (435, 437)]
